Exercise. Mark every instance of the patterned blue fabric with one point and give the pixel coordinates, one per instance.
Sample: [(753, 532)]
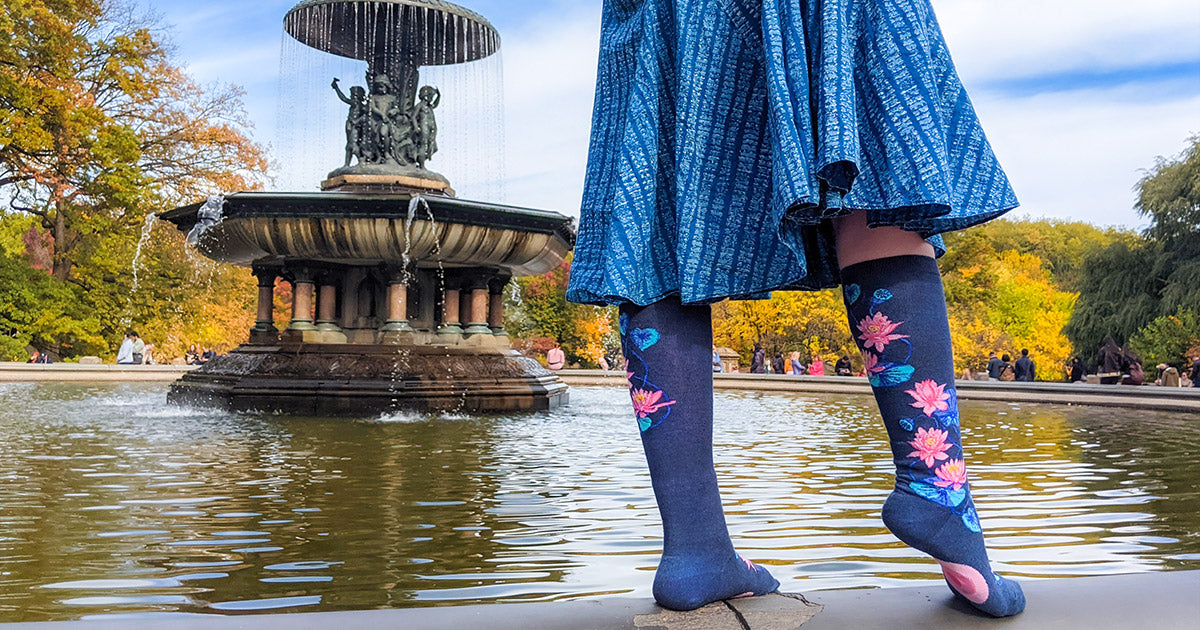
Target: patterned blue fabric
[(727, 133)]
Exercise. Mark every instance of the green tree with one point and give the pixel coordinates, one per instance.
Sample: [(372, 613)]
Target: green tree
[(1133, 281), (1167, 339)]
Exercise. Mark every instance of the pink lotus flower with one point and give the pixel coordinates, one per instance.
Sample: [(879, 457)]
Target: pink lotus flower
[(952, 474), (646, 402), (871, 363), (930, 446), (930, 397), (877, 331)]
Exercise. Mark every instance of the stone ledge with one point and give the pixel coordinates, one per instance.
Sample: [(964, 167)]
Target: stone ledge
[(1162, 601), (1172, 399)]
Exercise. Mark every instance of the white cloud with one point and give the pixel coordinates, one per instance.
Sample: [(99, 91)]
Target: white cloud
[(991, 40), (1078, 155)]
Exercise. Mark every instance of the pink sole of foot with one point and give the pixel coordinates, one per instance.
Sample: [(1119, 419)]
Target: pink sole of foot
[(966, 580)]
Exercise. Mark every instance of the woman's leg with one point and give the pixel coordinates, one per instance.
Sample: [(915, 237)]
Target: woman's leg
[(668, 349), (897, 314)]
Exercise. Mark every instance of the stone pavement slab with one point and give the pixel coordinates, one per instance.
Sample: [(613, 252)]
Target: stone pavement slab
[(1143, 601)]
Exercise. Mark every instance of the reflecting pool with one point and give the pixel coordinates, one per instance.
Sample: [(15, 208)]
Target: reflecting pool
[(113, 503)]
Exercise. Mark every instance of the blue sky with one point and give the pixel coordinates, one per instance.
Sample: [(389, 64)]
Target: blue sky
[(1077, 96)]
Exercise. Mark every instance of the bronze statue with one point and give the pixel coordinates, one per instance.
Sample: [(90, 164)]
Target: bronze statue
[(425, 125), (356, 122), (390, 127)]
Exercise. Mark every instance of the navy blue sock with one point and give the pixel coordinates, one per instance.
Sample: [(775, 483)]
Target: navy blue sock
[(897, 315), (668, 352)]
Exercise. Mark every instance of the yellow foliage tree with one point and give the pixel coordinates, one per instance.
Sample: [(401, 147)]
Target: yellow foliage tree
[(813, 322), (595, 334)]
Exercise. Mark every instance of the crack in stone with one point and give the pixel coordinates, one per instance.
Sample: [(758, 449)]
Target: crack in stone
[(737, 613)]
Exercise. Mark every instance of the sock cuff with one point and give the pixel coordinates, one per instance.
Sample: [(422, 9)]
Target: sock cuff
[(908, 265)]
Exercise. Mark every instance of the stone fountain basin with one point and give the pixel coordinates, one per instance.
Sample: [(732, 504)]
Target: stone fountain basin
[(375, 228)]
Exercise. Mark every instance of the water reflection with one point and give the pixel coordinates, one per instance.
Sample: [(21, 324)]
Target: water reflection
[(113, 504)]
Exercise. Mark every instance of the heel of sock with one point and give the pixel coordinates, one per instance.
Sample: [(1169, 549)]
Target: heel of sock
[(687, 584)]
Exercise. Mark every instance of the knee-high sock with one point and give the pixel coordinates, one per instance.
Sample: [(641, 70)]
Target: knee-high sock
[(668, 349), (897, 315)]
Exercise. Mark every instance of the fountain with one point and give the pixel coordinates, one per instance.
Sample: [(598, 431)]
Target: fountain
[(398, 285)]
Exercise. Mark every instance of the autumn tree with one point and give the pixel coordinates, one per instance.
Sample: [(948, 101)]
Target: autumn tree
[(98, 130), (537, 315), (99, 126)]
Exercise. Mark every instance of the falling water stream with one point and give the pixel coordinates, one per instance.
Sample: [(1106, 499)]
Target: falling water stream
[(147, 229), (310, 129)]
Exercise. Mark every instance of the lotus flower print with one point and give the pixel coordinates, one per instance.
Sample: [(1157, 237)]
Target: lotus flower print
[(952, 474), (930, 446), (646, 402), (877, 331), (930, 397), (871, 363)]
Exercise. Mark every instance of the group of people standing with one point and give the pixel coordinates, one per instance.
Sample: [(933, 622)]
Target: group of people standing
[(1002, 368)]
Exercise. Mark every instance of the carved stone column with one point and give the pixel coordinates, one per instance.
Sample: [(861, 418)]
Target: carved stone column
[(302, 301), (478, 322), (397, 303), (327, 307), (496, 305), (264, 330), (450, 310)]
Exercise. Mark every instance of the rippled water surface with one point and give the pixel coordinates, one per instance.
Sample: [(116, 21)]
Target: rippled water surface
[(113, 503)]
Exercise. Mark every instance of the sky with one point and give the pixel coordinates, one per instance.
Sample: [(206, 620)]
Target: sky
[(1078, 97)]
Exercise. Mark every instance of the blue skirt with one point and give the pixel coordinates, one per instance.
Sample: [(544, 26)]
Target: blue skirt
[(727, 134)]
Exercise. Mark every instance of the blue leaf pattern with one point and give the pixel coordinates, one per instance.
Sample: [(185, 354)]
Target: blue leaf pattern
[(942, 496), (892, 375), (644, 338), (971, 519), (852, 292)]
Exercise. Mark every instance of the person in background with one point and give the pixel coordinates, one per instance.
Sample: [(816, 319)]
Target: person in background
[(208, 355), (125, 354), (843, 367), (555, 357), (1195, 375), (1168, 376), (777, 364), (192, 356), (758, 362), (1026, 370), (717, 366), (1137, 375), (40, 358), (139, 348), (1007, 371), (994, 366), (148, 355), (1078, 371), (1109, 362), (797, 365), (817, 367)]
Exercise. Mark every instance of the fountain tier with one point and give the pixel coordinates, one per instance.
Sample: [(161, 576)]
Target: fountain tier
[(397, 302)]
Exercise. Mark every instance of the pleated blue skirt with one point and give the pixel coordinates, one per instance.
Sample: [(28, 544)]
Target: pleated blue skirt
[(727, 134)]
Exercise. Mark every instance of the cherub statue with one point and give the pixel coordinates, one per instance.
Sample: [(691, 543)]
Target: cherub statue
[(425, 125), (356, 122)]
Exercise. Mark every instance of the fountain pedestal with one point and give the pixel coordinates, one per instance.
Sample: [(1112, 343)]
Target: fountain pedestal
[(397, 302)]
